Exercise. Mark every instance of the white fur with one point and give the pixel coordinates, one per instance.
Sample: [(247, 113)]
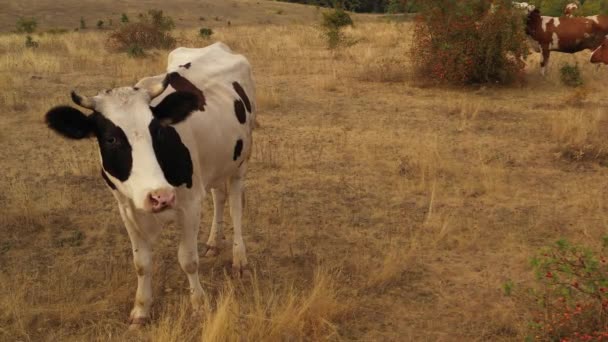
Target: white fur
[(554, 41)]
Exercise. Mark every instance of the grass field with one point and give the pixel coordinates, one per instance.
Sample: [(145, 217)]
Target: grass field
[(378, 208)]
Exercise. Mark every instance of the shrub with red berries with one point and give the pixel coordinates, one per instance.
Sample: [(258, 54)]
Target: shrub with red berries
[(473, 41), (571, 295)]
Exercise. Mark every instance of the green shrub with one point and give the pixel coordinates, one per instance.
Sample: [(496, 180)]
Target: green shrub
[(336, 19), (30, 43), (205, 32), (83, 24), (100, 24), (124, 18), (135, 51), (150, 32), (462, 42), (26, 25), (570, 299), (570, 75)]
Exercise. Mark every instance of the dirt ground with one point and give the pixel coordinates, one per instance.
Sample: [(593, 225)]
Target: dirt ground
[(378, 208)]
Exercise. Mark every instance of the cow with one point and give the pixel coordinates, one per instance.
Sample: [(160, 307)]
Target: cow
[(565, 34), (164, 144), (570, 9), (600, 55)]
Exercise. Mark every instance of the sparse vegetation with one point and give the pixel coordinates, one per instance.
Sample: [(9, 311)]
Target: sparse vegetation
[(570, 299), (570, 75), (151, 32), (99, 24), (379, 207), (124, 18), (26, 25), (83, 24), (205, 32), (333, 23), (30, 42)]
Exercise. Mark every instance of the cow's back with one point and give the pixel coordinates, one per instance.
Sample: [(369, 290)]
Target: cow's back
[(218, 136)]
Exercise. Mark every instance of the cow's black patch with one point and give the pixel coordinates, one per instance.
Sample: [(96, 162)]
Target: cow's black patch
[(180, 83), (239, 110), (114, 146), (187, 65), (108, 182), (69, 122), (242, 94), (172, 155), (175, 107), (238, 148)]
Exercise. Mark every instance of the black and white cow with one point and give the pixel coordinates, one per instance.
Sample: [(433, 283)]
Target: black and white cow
[(166, 142)]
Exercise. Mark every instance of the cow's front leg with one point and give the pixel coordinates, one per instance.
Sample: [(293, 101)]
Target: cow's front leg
[(141, 245), (216, 236), (239, 256), (189, 219)]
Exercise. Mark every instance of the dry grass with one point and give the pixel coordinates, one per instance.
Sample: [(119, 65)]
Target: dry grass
[(377, 210)]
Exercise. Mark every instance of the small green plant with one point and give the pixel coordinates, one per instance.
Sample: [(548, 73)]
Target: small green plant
[(124, 18), (159, 20), (570, 299), (135, 51), (333, 22), (205, 32), (99, 24), (26, 25), (83, 24), (30, 43), (570, 75)]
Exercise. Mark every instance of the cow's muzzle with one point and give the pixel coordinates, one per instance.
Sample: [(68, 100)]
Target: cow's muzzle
[(161, 199)]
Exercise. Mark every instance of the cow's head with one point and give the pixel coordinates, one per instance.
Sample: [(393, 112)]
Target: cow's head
[(142, 155), (600, 55), (524, 6)]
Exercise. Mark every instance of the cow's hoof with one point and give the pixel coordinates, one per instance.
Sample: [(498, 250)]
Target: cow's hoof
[(241, 271), (212, 251), (138, 322)]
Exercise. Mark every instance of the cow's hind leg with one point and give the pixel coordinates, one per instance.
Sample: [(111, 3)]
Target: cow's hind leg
[(239, 256), (189, 219), (216, 236)]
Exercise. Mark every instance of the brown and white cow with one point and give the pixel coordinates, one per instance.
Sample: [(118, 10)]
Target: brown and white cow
[(164, 143), (570, 9), (600, 55), (565, 34)]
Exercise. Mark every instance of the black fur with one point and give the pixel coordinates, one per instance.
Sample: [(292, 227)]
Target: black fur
[(175, 107), (239, 110), (69, 122), (238, 148), (172, 155), (242, 94), (116, 151)]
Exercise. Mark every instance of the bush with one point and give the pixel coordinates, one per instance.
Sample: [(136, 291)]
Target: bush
[(571, 297), (135, 51), (570, 75), (462, 42), (124, 18), (151, 32), (83, 24), (30, 43), (26, 25), (333, 22), (336, 19), (205, 32), (100, 24)]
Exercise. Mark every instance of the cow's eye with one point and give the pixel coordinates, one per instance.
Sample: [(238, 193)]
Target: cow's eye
[(111, 140)]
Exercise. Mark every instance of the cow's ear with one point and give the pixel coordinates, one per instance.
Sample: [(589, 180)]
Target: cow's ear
[(175, 107), (69, 122)]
